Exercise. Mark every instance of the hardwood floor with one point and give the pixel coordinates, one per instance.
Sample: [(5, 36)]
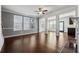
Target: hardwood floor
[(38, 43)]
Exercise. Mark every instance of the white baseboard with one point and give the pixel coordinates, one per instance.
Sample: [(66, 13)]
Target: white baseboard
[(17, 35)]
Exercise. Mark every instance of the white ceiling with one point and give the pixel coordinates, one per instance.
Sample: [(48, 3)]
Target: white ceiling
[(29, 10)]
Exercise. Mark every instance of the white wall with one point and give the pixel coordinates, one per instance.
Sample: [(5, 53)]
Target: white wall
[(65, 17), (1, 36), (64, 12)]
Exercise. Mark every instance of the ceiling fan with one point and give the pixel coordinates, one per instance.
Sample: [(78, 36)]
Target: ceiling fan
[(41, 11)]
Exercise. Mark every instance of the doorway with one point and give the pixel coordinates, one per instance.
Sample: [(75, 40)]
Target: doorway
[(61, 24)]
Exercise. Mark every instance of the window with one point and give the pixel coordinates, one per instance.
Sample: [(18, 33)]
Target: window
[(23, 24), (17, 23), (52, 25), (51, 17), (32, 23), (26, 23), (42, 24)]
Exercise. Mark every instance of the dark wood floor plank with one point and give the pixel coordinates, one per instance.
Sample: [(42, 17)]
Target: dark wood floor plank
[(33, 44)]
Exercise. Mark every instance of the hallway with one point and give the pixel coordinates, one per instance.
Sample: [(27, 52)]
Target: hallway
[(38, 44)]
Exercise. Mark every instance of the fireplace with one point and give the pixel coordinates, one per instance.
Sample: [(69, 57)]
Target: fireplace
[(71, 32)]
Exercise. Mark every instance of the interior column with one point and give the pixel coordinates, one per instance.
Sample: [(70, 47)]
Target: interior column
[(57, 25), (37, 38), (46, 26)]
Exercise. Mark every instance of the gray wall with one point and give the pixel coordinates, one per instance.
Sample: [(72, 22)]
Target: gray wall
[(1, 36), (7, 23)]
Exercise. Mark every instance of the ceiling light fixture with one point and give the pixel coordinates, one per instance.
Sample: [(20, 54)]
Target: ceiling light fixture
[(41, 11)]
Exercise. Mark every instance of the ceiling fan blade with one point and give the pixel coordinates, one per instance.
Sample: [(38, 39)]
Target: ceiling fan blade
[(45, 10)]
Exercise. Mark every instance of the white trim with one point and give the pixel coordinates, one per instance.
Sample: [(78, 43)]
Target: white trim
[(18, 35)]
